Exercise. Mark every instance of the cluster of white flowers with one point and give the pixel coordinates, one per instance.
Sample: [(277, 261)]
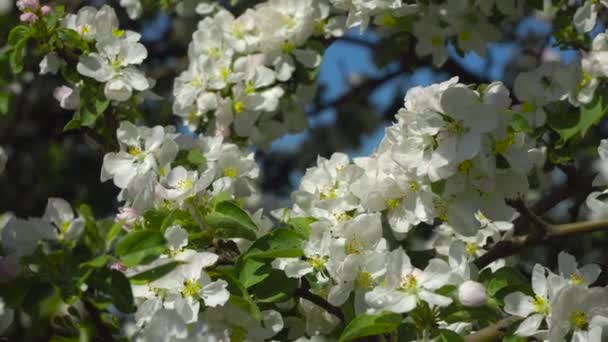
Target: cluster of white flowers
[(20, 238), (451, 154), (596, 201), (240, 69), (148, 174), (585, 17), (434, 24), (243, 71), (563, 301), (453, 157), (114, 60)]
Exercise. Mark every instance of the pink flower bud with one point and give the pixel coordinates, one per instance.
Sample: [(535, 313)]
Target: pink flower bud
[(28, 17), (128, 215), (119, 266), (46, 9), (472, 294), (28, 4)]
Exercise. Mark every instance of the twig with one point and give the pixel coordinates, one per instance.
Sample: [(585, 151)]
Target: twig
[(525, 212), (515, 244), (494, 332), (306, 294)]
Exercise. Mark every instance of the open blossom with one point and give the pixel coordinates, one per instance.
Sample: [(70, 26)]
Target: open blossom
[(404, 285)]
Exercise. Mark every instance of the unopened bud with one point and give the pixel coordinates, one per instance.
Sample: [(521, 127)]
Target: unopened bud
[(46, 9), (472, 294), (28, 17)]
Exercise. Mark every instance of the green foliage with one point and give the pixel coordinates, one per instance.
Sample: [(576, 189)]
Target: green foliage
[(280, 243), (154, 273), (140, 247), (371, 325), (569, 124), (276, 287), (228, 220)]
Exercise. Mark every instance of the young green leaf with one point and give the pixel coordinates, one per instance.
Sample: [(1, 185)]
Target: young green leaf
[(370, 325), (277, 287), (140, 247), (279, 243), (154, 273), (229, 220)]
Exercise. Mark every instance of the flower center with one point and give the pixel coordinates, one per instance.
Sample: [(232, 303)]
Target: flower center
[(118, 32), (231, 172), (135, 151), (471, 248), (393, 203), (354, 246), (328, 193), (577, 279), (408, 283), (540, 305), (191, 288), (317, 262), (238, 106), (465, 167), (184, 184), (287, 47), (365, 280), (580, 320)]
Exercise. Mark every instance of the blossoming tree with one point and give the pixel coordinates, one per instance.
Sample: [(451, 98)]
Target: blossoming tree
[(419, 241)]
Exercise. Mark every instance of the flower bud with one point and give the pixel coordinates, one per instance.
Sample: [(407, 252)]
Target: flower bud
[(68, 98), (28, 17), (46, 9), (472, 294), (118, 266), (28, 4), (128, 215)]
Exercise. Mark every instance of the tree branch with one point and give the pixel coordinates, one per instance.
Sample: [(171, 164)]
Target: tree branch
[(494, 332), (514, 245), (306, 294)]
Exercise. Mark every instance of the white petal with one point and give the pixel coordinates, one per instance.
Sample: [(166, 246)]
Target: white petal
[(519, 304), (215, 293), (529, 326)]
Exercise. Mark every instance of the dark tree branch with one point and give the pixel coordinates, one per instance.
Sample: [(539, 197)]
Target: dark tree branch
[(306, 294), (516, 244), (494, 332)]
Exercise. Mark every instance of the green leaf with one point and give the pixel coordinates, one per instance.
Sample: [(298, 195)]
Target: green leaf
[(564, 122), (229, 220), (437, 187), (120, 291), (4, 102), (196, 158), (71, 38), (113, 233), (592, 112), (279, 243), (449, 336), (92, 105), (520, 124), (74, 123), (140, 247), (19, 34), (239, 295), (370, 325), (301, 225), (277, 287), (252, 271), (153, 219), (16, 57), (97, 262), (154, 273)]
